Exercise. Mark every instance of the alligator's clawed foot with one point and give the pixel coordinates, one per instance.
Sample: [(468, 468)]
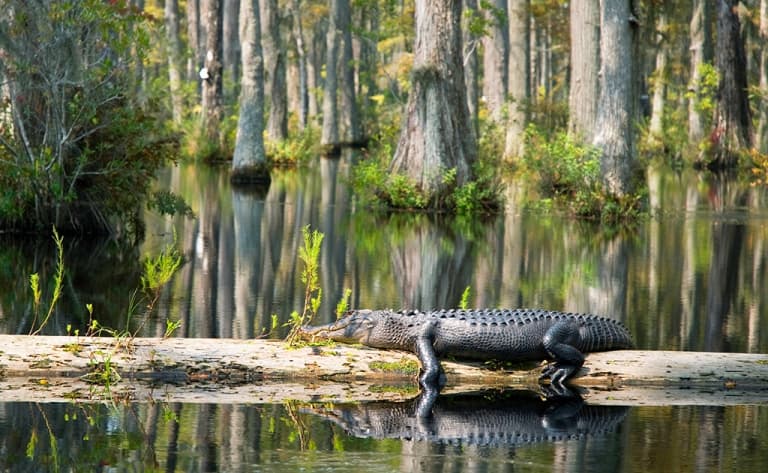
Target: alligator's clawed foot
[(558, 391), (557, 373)]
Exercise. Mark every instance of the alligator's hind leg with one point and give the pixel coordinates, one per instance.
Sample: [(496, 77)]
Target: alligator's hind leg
[(559, 342)]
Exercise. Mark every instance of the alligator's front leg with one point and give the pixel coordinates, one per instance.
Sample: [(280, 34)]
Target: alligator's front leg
[(430, 377), (559, 342)]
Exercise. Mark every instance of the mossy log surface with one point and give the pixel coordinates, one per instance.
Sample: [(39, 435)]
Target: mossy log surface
[(42, 368)]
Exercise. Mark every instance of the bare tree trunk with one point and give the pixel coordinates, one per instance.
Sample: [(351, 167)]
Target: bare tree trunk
[(471, 44), (274, 63), (174, 58), (701, 53), (762, 125), (350, 114), (193, 38), (231, 43), (212, 111), (249, 161), (495, 46), (316, 54), (585, 64), (437, 131), (732, 122), (301, 58), (368, 20), (330, 131), (615, 110), (518, 76), (656, 127)]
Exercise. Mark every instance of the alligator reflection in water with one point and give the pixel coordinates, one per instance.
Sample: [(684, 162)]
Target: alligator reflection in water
[(480, 419)]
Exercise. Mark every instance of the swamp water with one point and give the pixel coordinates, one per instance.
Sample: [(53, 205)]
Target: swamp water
[(692, 277)]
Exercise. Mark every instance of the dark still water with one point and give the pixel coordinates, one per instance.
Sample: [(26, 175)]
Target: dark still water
[(692, 277), (520, 435)]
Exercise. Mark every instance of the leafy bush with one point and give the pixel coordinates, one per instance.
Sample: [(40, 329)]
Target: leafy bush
[(568, 173), (75, 151), (295, 150)]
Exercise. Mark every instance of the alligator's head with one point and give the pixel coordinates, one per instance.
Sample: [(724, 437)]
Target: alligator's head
[(356, 327)]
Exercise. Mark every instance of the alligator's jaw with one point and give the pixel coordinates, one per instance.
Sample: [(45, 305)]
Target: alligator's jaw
[(344, 330)]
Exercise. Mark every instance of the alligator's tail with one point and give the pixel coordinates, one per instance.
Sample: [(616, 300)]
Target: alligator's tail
[(601, 334)]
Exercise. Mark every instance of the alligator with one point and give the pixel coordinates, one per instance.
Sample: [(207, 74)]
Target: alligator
[(490, 418), (480, 334)]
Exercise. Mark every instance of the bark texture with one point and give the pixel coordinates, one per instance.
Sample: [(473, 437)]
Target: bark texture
[(212, 111), (330, 131), (656, 127), (350, 114), (301, 58), (274, 63), (495, 46), (518, 85), (249, 161), (585, 65), (701, 53), (471, 43), (615, 111), (437, 132), (174, 58), (762, 126), (732, 123)]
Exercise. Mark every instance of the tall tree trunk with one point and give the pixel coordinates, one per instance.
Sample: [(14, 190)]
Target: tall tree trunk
[(471, 43), (301, 58), (732, 122), (495, 46), (437, 131), (174, 58), (701, 53), (212, 111), (249, 161), (274, 63), (367, 87), (350, 114), (656, 127), (585, 65), (761, 135), (615, 110), (330, 131), (193, 38), (231, 43), (316, 55), (518, 76)]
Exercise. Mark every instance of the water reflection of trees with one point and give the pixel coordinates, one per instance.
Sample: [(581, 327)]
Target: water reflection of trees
[(660, 277), (205, 437)]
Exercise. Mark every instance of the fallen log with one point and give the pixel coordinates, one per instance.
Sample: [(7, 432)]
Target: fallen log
[(245, 371)]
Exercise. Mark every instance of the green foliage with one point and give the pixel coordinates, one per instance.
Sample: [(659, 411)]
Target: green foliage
[(170, 327), (58, 283), (297, 150), (569, 173), (166, 202), (309, 254), (343, 306), (464, 302), (709, 79), (401, 192), (376, 187), (158, 270), (79, 153)]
